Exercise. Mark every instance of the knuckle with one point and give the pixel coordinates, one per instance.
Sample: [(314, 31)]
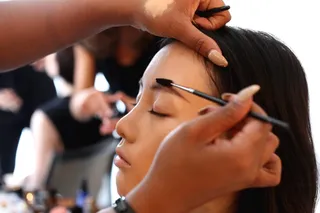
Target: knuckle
[(188, 130), (199, 44), (228, 16), (231, 111), (275, 140), (274, 180), (277, 180), (263, 129)]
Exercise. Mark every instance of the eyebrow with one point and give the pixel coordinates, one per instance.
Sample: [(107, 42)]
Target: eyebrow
[(157, 87)]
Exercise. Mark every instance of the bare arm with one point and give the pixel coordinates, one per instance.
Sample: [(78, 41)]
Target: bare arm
[(30, 29), (84, 70)]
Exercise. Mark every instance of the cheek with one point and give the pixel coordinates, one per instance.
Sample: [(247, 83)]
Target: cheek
[(147, 146), (142, 153)]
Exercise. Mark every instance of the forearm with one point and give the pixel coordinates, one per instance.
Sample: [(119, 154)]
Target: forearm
[(84, 69), (31, 29)]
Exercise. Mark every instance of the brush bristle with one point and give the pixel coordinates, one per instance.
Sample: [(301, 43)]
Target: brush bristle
[(164, 82)]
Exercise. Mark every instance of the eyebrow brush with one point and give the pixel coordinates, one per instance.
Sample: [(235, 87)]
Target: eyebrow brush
[(169, 83)]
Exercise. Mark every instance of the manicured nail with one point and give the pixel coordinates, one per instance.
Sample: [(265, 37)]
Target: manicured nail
[(247, 93), (217, 58), (206, 110)]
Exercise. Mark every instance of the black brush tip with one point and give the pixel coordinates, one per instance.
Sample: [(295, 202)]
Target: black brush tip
[(164, 82)]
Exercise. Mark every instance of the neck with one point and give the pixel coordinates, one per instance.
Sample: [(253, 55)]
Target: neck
[(220, 205)]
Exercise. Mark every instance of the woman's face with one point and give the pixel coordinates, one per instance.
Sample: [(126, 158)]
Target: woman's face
[(159, 110)]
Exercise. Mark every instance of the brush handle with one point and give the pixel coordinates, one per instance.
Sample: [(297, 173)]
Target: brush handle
[(268, 119), (210, 98), (262, 118), (211, 12)]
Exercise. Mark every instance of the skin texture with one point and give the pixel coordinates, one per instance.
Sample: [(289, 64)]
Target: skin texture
[(143, 132), (157, 7)]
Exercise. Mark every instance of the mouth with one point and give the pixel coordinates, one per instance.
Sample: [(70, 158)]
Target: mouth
[(120, 160)]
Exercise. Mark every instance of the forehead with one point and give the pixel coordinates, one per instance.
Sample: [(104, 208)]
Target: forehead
[(180, 64)]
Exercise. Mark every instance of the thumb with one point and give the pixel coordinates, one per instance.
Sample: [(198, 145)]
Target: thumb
[(210, 126), (199, 42)]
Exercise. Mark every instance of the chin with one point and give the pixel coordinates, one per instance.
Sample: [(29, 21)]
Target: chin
[(122, 184)]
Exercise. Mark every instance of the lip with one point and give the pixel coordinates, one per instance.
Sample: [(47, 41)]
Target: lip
[(121, 161)]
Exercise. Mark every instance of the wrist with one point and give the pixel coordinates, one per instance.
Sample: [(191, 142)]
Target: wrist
[(114, 13), (146, 198), (76, 109)]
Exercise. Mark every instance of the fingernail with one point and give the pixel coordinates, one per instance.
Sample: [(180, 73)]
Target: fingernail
[(206, 110), (247, 93), (217, 58), (226, 96)]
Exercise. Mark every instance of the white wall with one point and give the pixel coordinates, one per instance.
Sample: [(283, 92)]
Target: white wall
[(296, 23)]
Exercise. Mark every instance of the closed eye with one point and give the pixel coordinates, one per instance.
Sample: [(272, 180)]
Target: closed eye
[(157, 113), (154, 112)]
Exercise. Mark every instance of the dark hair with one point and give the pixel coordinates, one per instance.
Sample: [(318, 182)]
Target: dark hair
[(259, 58), (66, 64)]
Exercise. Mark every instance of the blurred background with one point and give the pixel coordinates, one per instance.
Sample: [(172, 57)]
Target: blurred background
[(294, 22)]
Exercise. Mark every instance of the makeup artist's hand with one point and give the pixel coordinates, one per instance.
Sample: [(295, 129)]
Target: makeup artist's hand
[(90, 102), (173, 18), (194, 164)]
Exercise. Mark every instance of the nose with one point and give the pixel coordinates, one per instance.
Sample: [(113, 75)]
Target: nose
[(126, 127)]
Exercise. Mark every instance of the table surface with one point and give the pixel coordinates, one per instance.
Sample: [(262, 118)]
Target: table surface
[(11, 203)]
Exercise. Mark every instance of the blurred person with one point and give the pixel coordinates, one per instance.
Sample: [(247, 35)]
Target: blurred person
[(21, 93), (69, 123)]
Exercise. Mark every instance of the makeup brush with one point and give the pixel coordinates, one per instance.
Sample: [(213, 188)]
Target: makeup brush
[(211, 12), (169, 83)]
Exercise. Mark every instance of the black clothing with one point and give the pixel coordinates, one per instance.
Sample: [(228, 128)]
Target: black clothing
[(73, 134), (34, 88), (76, 134)]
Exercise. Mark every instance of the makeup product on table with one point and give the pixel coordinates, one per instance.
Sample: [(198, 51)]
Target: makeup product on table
[(169, 83)]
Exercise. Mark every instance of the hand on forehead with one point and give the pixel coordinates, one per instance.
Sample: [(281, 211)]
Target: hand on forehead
[(179, 64)]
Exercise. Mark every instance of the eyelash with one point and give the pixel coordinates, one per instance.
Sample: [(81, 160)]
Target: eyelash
[(157, 114), (154, 112)]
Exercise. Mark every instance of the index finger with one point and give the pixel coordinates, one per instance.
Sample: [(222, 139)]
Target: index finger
[(253, 128), (191, 36), (210, 126)]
